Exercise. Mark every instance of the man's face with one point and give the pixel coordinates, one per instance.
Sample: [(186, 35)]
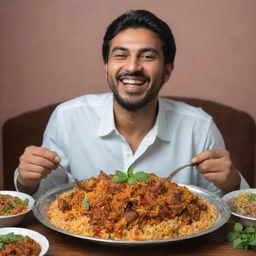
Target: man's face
[(135, 69)]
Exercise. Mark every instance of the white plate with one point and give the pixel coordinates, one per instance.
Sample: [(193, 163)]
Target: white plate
[(247, 221), (13, 220), (42, 240)]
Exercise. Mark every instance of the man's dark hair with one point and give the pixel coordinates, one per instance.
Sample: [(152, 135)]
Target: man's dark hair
[(141, 19)]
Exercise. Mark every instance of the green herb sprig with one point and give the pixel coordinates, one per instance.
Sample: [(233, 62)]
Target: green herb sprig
[(242, 237), (9, 238), (130, 177), (86, 203)]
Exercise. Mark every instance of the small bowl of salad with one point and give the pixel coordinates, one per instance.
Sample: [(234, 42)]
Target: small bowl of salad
[(13, 207), (242, 204)]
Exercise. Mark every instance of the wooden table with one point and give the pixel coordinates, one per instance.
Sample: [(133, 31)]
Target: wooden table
[(208, 245)]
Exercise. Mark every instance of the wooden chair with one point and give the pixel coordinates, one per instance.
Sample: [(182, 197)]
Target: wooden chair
[(237, 128)]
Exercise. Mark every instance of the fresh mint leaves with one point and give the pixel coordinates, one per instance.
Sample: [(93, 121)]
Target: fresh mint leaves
[(130, 177), (243, 238), (9, 238), (120, 177)]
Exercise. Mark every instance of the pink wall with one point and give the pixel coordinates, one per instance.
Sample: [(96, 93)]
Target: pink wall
[(51, 50)]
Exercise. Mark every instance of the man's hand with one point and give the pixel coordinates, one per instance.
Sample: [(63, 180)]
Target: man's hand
[(216, 166), (35, 164)]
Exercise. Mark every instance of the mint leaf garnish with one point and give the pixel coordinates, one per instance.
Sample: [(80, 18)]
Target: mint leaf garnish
[(131, 180), (130, 177), (141, 176), (120, 177), (9, 238)]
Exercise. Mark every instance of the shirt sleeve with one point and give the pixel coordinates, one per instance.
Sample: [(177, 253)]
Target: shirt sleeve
[(56, 178), (243, 184), (55, 137)]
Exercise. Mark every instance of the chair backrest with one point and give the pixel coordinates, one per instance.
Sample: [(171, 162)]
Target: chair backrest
[(237, 128)]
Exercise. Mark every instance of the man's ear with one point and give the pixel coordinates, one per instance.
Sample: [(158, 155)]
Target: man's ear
[(167, 71)]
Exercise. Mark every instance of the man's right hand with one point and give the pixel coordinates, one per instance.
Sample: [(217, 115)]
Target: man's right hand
[(35, 164)]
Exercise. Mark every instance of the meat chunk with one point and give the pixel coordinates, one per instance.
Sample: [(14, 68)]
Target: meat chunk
[(104, 176), (63, 204), (158, 188), (164, 212), (103, 201), (131, 203), (114, 188), (247, 211), (174, 197), (89, 185), (130, 215), (186, 219)]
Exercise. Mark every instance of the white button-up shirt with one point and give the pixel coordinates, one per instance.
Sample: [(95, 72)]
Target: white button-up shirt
[(83, 133)]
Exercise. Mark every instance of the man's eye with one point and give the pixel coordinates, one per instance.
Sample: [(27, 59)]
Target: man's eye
[(148, 57), (120, 56)]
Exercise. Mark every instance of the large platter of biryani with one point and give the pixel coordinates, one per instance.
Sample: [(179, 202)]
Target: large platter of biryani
[(131, 209)]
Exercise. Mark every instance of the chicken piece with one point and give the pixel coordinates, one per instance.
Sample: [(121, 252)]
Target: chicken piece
[(174, 197), (63, 205), (114, 188), (130, 216), (89, 185), (158, 188)]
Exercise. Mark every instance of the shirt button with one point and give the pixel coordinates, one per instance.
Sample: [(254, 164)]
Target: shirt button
[(128, 154)]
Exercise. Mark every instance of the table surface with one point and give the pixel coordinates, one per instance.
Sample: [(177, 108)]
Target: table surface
[(208, 245)]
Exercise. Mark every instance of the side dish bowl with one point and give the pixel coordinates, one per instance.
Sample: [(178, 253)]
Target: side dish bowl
[(13, 220), (42, 240), (229, 197)]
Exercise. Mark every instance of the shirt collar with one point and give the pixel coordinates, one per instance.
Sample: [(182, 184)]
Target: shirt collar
[(161, 122), (107, 122)]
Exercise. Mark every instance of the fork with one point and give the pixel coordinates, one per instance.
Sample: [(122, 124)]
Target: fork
[(78, 182), (174, 172)]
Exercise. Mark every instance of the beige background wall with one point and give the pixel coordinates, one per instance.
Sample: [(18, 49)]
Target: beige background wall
[(50, 50)]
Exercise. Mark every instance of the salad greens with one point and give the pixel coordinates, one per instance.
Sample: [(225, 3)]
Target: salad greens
[(9, 238), (12, 202), (244, 204), (251, 198), (242, 237), (130, 177)]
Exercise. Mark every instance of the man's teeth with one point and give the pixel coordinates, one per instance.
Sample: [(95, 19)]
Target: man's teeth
[(132, 82)]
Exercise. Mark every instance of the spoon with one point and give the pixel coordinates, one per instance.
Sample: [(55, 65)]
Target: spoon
[(78, 182), (174, 172)]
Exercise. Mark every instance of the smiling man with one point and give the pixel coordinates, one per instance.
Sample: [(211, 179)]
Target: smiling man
[(135, 68), (136, 71), (131, 126)]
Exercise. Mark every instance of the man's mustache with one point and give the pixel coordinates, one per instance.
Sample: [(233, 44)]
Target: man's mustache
[(134, 74)]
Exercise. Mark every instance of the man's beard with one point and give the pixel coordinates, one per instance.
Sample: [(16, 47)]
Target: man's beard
[(131, 106)]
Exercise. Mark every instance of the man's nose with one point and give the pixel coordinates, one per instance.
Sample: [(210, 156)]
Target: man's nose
[(133, 64)]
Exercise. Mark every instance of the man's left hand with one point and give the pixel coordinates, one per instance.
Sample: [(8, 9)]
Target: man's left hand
[(216, 166)]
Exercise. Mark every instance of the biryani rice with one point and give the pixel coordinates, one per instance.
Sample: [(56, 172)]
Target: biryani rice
[(156, 219)]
